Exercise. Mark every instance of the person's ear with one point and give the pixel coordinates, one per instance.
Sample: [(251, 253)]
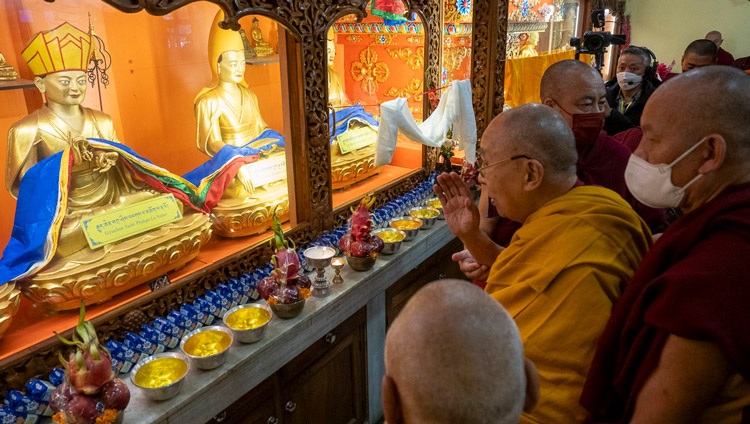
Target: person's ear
[(532, 385), (549, 102), (39, 83), (534, 174), (392, 413), (714, 154)]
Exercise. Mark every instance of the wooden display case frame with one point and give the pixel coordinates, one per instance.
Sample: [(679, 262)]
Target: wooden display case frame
[(306, 24)]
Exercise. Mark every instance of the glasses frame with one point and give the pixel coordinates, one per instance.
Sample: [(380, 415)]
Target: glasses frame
[(481, 167)]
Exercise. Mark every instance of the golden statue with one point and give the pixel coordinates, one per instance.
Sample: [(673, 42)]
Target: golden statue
[(227, 114), (94, 180), (7, 73), (262, 48), (352, 158), (529, 47)]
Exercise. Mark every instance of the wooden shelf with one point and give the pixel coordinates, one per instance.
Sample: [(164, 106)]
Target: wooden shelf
[(16, 84), (274, 58)]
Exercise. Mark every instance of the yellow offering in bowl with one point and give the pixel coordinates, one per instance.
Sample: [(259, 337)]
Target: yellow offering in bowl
[(424, 213), (160, 372), (248, 322), (408, 224), (207, 346), (248, 318), (161, 376), (207, 343), (405, 224), (390, 236), (434, 203), (392, 239)]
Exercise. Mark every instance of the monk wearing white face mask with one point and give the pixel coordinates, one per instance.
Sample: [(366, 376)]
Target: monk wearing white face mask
[(628, 92), (676, 347)]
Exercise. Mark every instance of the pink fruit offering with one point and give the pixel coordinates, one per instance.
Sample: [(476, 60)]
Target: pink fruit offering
[(378, 244), (115, 394), (267, 287), (360, 249)]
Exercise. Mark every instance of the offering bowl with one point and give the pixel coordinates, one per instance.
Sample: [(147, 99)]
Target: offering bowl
[(287, 310), (248, 322), (427, 214), (161, 376), (207, 346), (408, 224), (392, 239), (435, 203), (360, 264)]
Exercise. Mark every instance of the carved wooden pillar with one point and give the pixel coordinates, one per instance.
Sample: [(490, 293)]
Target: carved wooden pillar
[(490, 26)]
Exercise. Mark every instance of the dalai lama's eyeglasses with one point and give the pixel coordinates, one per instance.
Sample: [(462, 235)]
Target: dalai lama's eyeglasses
[(481, 166)]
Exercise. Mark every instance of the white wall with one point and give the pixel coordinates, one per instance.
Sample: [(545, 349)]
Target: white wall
[(668, 26)]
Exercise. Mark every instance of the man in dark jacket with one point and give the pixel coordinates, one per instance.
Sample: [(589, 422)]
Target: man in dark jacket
[(629, 91)]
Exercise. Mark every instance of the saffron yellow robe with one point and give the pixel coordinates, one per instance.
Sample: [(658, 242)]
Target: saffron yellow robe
[(558, 278)]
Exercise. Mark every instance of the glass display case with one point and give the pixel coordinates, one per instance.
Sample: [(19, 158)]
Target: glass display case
[(156, 68)]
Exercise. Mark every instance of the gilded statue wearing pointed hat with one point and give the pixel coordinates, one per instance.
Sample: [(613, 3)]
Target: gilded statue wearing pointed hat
[(227, 114), (65, 166)]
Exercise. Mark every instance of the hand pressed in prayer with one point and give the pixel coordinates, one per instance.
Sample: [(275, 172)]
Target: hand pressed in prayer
[(470, 267), (461, 214)]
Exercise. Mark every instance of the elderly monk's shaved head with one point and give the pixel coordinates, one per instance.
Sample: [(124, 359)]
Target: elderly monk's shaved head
[(714, 99), (454, 355), (557, 79), (538, 131)]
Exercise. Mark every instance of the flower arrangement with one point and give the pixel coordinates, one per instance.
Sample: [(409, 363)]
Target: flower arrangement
[(90, 393)]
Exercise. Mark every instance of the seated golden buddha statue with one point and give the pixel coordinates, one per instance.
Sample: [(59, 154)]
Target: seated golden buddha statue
[(7, 73), (228, 117), (62, 179), (262, 47), (354, 131)]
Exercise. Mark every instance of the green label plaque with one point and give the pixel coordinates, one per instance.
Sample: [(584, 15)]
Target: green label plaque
[(356, 139), (116, 225)]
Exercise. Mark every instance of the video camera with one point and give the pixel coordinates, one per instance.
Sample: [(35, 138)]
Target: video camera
[(596, 42)]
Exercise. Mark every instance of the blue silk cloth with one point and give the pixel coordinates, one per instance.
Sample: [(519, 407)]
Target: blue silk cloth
[(345, 116), (43, 193)]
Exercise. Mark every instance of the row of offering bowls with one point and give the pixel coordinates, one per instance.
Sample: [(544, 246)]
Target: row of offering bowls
[(405, 228), (162, 375)]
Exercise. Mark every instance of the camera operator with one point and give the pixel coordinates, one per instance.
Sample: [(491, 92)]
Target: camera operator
[(628, 92)]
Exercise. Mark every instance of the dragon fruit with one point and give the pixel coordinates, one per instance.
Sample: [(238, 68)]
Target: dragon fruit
[(287, 283), (360, 242), (90, 392), (90, 366)]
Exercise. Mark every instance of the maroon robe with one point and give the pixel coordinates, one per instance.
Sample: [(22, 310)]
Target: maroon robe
[(725, 58), (693, 284)]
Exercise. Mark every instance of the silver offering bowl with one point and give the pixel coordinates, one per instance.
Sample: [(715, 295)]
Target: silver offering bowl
[(320, 257)]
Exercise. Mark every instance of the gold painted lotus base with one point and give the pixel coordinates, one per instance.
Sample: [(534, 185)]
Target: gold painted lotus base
[(97, 275), (10, 299), (250, 216), (352, 167)]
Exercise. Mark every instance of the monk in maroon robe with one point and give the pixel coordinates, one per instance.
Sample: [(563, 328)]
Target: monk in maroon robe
[(677, 347)]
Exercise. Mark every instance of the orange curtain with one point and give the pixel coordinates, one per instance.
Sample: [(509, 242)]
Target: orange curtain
[(523, 75)]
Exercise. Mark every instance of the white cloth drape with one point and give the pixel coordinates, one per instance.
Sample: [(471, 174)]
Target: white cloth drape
[(455, 109)]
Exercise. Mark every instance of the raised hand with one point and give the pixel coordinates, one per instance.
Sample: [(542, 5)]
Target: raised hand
[(461, 214)]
